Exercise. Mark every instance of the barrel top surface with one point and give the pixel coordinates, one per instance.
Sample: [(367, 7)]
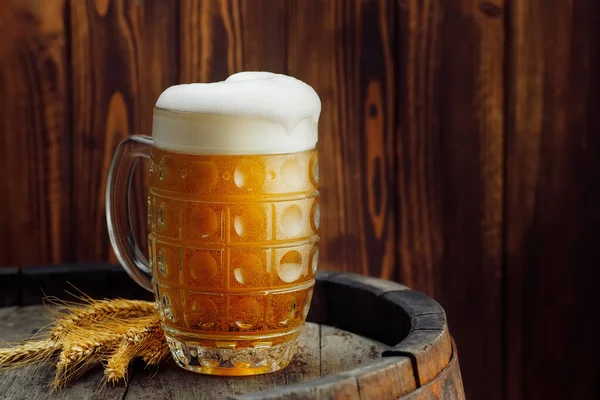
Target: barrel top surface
[(368, 338), (322, 350)]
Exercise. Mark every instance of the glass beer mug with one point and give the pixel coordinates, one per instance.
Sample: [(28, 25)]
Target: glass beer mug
[(233, 219)]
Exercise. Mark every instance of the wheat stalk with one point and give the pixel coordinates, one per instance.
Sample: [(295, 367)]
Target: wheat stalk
[(80, 355), (101, 310), (156, 352), (137, 340), (27, 353), (112, 332), (84, 347)]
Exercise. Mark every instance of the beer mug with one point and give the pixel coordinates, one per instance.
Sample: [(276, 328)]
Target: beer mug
[(233, 219)]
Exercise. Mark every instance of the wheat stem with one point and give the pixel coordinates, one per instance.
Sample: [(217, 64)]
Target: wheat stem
[(112, 332), (80, 355), (27, 353), (99, 311), (137, 340)]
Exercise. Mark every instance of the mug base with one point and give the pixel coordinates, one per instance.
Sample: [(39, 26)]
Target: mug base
[(230, 357)]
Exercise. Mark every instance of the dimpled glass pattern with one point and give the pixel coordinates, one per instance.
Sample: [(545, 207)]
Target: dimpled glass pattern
[(233, 251)]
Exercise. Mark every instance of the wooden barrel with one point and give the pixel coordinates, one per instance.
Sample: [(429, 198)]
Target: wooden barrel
[(367, 339), (418, 361)]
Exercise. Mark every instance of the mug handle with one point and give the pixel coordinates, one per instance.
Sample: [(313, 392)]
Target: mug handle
[(118, 217)]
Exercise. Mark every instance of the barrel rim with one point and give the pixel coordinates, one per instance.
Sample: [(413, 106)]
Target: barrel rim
[(330, 383), (410, 322)]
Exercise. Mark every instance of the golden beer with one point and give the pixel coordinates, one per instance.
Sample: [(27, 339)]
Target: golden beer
[(233, 248), (233, 219)]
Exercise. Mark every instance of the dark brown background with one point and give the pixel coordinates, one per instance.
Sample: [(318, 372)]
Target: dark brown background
[(460, 149)]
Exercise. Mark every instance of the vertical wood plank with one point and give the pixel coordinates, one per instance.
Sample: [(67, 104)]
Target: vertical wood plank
[(345, 50), (34, 134), (553, 170), (219, 38), (123, 55), (450, 172)]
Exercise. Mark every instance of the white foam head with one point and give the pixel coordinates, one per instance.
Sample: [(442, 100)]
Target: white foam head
[(248, 113)]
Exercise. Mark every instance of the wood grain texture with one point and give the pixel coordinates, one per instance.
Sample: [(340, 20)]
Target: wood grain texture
[(393, 378), (342, 350), (419, 182), (553, 170), (306, 364), (331, 363), (449, 151), (123, 54), (34, 138), (172, 383), (428, 343), (429, 350), (312, 361), (448, 385), (390, 379), (344, 49), (219, 38)]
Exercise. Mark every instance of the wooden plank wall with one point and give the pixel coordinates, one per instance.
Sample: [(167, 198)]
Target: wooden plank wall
[(552, 200), (459, 141)]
